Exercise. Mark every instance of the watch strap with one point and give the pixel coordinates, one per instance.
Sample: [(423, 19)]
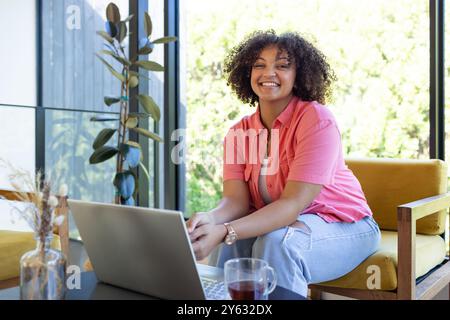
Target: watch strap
[(231, 233)]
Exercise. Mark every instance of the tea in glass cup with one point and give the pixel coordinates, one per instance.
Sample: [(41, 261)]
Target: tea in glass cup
[(249, 279)]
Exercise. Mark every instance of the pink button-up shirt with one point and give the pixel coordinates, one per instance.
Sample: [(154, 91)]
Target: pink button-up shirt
[(305, 146)]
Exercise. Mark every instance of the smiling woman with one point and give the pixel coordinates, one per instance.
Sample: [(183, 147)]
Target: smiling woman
[(286, 187)]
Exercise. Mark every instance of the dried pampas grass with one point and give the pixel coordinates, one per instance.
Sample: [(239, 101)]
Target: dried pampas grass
[(39, 202)]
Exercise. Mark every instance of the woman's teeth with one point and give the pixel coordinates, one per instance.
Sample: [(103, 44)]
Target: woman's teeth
[(269, 84)]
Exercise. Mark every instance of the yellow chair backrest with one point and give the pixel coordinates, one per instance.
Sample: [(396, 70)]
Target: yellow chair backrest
[(388, 183)]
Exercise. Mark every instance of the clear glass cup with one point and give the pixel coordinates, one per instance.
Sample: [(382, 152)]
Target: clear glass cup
[(249, 279)]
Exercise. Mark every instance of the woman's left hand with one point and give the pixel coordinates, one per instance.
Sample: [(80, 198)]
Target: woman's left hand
[(205, 238)]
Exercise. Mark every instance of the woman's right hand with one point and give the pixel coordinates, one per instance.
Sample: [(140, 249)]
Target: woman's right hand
[(198, 219)]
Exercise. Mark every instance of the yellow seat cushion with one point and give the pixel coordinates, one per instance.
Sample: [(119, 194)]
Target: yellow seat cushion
[(430, 251), (13, 244), (388, 183)]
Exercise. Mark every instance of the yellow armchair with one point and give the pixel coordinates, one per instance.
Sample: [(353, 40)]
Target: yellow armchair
[(14, 244), (409, 201)]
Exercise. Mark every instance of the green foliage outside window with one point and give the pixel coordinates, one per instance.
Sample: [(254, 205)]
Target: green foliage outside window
[(378, 49)]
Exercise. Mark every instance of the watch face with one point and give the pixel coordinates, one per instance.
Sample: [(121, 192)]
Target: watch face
[(230, 239)]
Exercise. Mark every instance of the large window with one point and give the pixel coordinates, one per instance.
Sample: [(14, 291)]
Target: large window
[(48, 98), (155, 88), (17, 85), (378, 49), (17, 95), (74, 82), (73, 78)]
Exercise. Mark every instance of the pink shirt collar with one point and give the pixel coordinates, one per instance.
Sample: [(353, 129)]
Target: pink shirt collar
[(284, 117)]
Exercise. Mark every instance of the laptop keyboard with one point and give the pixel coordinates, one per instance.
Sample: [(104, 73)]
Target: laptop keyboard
[(214, 289)]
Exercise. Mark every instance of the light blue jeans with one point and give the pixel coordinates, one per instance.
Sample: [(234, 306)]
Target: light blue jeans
[(316, 252)]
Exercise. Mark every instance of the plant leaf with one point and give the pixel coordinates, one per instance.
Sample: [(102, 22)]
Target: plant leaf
[(125, 184), (110, 47), (165, 40), (148, 134), (138, 114), (115, 56), (149, 106), (122, 31), (147, 24), (136, 184), (145, 170), (111, 29), (131, 122), (129, 18), (105, 36), (131, 154), (133, 144), (103, 137), (111, 100), (111, 69), (109, 52), (134, 73), (103, 119), (145, 46), (149, 65), (102, 154), (112, 13), (145, 50)]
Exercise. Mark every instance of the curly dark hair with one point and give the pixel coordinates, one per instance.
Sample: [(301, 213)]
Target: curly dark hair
[(313, 78)]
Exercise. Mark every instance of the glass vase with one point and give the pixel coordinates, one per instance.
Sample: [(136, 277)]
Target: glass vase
[(42, 273)]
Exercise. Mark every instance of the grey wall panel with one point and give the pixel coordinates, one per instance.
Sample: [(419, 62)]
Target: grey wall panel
[(73, 77)]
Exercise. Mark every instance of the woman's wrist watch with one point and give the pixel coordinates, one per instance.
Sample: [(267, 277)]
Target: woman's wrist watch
[(231, 236)]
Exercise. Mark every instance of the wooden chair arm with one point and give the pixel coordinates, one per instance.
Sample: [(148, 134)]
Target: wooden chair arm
[(407, 216), (10, 195), (424, 207)]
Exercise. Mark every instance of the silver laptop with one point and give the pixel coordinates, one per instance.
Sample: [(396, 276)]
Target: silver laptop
[(145, 250)]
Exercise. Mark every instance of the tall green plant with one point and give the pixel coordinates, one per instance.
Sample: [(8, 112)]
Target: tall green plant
[(128, 153)]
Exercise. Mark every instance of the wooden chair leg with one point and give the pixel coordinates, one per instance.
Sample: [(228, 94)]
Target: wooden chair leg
[(64, 237), (63, 230), (316, 294)]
